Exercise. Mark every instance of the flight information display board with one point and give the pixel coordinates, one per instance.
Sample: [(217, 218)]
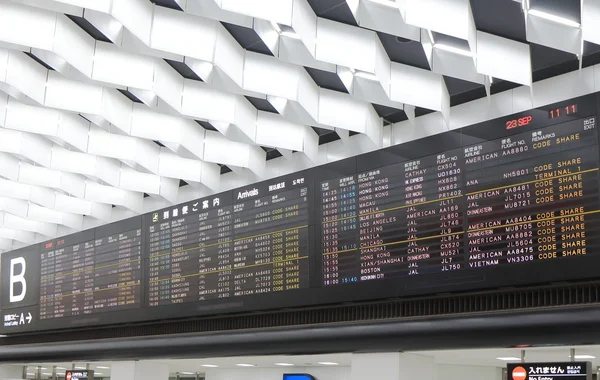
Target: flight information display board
[(531, 196), (83, 274), (251, 241), (511, 201)]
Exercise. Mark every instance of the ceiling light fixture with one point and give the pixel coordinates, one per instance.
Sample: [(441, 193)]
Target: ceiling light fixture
[(554, 18), (387, 3), (584, 357), (245, 365), (187, 373), (210, 365), (101, 367), (284, 364), (508, 358), (328, 363), (452, 49)]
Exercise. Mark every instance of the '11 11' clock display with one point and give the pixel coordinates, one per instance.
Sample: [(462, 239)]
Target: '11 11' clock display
[(562, 111)]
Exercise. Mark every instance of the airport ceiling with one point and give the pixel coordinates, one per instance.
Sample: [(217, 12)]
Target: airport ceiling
[(111, 108)]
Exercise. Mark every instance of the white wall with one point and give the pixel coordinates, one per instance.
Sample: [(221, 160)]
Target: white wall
[(10, 372), (463, 372)]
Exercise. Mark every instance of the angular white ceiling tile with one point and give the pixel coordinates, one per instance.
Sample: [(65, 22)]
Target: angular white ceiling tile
[(135, 15), (116, 66), (553, 34), (346, 45), (184, 34), (27, 26), (494, 52), (26, 76), (451, 17), (74, 45), (271, 10)]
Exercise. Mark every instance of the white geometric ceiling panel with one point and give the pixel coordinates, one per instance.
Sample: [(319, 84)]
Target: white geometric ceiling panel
[(113, 108)]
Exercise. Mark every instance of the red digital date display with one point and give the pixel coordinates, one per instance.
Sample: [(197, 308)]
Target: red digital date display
[(521, 122)]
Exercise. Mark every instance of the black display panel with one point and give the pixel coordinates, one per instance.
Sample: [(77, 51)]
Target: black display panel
[(531, 196), (511, 201), (550, 371), (247, 242)]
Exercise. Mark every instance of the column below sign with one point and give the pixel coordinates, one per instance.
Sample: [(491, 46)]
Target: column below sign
[(550, 371)]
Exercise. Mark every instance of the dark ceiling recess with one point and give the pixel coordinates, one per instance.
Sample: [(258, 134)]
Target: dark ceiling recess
[(547, 62), (129, 95), (326, 79), (389, 114), (89, 28), (404, 51), (224, 169), (419, 111), (500, 85), (325, 135), (206, 125), (353, 133), (462, 91), (247, 38), (172, 4), (502, 18), (182, 183), (38, 60), (261, 104), (146, 195), (271, 153), (159, 143), (184, 70), (335, 10), (569, 9), (591, 54)]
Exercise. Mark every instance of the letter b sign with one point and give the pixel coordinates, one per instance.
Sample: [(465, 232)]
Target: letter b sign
[(20, 278), (17, 277)]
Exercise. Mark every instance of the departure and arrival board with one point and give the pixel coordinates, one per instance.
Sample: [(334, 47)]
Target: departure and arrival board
[(86, 274), (511, 201), (251, 241), (526, 197)]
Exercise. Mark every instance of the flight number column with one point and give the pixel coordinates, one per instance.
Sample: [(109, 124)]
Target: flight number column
[(339, 228), (433, 192)]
